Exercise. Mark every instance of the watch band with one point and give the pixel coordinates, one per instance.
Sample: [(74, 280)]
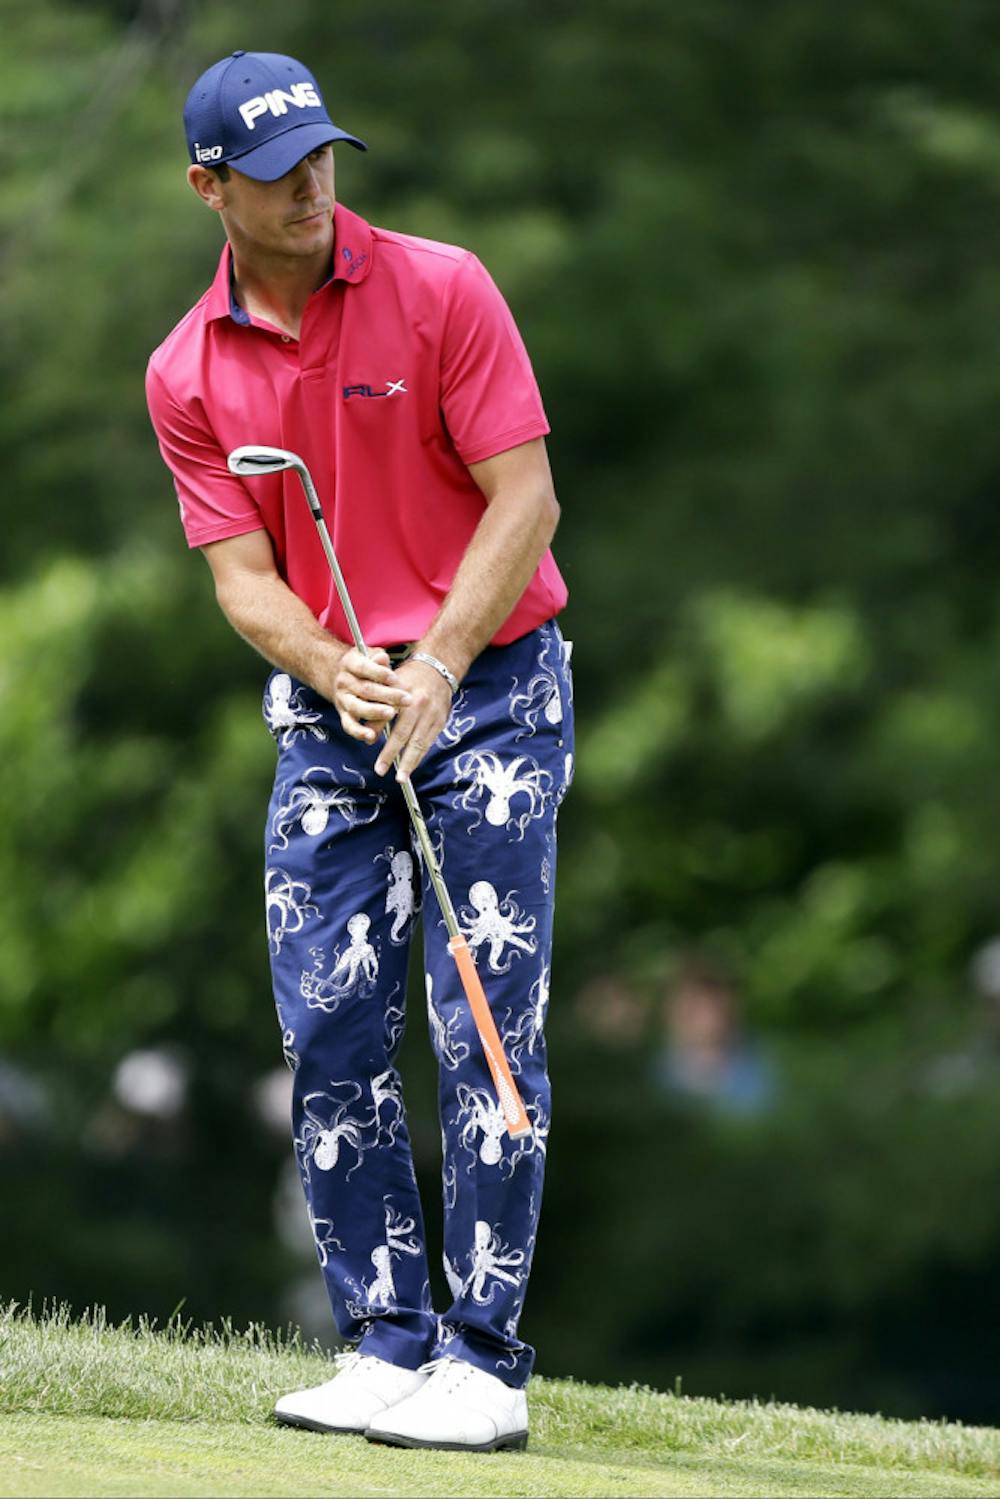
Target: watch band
[(438, 666)]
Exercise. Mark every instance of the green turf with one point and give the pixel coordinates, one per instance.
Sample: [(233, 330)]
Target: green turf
[(96, 1410)]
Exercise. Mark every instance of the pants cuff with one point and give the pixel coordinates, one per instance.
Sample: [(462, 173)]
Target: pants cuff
[(511, 1365), (405, 1346)]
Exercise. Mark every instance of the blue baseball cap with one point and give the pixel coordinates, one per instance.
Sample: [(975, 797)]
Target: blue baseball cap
[(260, 111)]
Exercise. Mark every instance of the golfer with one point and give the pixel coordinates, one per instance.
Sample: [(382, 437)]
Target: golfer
[(393, 367)]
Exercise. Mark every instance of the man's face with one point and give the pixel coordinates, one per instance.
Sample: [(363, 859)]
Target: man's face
[(292, 217)]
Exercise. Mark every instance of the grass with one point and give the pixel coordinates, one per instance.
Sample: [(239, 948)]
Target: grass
[(92, 1409)]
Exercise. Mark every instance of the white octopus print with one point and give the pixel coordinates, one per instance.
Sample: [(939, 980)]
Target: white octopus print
[(566, 646), (323, 1237), (494, 1264), (285, 714), (500, 923), (450, 1051), (287, 1038), (356, 1305), (446, 1332), (387, 1092), (288, 1051), (456, 1284), (328, 1128), (395, 1021), (400, 896), (567, 779), (354, 970), (480, 1113), (310, 803), (510, 1325), (501, 784), (287, 904), (509, 1359), (540, 697), (381, 1290), (460, 720), (526, 1032), (534, 1143), (449, 1180), (399, 1231)]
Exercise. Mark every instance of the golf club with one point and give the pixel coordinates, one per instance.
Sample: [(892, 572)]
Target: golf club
[(253, 461)]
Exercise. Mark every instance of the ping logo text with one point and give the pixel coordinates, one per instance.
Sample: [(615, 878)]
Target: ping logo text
[(276, 100)]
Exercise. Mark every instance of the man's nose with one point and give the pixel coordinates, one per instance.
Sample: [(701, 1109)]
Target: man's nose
[(305, 178)]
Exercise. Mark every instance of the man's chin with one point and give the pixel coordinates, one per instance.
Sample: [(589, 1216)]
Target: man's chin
[(309, 239)]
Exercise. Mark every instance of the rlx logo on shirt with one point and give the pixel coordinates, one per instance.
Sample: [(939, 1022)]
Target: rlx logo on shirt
[(394, 388)]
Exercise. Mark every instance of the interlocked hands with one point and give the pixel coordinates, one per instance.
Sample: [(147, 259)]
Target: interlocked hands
[(369, 695)]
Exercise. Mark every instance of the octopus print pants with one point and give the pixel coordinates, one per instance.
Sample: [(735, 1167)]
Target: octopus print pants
[(344, 888)]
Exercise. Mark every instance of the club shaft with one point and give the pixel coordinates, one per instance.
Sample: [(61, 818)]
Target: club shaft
[(331, 557)]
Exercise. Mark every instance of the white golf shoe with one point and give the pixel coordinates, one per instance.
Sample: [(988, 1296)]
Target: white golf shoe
[(362, 1388), (460, 1408)]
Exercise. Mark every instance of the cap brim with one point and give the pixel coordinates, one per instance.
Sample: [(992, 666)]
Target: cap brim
[(273, 158)]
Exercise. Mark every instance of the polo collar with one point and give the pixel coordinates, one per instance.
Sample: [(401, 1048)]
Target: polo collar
[(352, 246), (352, 263)]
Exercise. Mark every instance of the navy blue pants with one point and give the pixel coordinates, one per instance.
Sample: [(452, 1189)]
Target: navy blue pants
[(344, 887)]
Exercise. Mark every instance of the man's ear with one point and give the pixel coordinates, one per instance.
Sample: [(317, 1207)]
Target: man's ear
[(207, 185)]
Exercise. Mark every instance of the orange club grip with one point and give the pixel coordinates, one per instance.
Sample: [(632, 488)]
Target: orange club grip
[(514, 1113)]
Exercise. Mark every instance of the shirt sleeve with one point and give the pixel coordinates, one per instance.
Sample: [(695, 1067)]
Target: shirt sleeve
[(489, 397), (214, 503)]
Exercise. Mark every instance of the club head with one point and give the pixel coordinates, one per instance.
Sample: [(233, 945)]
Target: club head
[(253, 460)]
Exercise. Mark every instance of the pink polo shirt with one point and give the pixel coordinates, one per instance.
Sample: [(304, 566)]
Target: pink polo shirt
[(409, 366)]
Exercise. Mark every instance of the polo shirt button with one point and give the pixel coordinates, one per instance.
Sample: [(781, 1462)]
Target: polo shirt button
[(285, 338)]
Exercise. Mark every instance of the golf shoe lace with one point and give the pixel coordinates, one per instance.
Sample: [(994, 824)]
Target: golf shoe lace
[(448, 1374), (351, 1361)]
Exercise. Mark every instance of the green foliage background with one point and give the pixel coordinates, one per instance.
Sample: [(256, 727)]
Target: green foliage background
[(753, 251)]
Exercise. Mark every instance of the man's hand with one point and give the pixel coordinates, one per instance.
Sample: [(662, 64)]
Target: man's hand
[(419, 721), (367, 693)]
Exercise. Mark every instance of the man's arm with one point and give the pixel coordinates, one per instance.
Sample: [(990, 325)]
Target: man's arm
[(263, 609), (517, 526)]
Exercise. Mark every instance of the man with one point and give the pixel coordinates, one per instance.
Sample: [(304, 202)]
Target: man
[(392, 365)]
